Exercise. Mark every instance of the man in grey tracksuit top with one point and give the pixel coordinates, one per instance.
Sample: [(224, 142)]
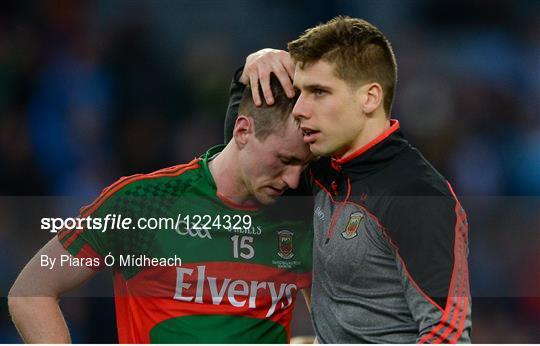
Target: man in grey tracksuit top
[(390, 249), (390, 244)]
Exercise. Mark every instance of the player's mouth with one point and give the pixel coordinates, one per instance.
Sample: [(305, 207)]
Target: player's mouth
[(275, 191), (310, 135)]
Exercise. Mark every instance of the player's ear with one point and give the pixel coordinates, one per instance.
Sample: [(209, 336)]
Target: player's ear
[(243, 128), (371, 97)]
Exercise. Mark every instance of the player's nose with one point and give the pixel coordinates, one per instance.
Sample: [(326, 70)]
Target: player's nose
[(291, 176), (301, 109)]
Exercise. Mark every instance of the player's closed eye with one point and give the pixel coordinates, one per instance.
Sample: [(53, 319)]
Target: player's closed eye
[(290, 161), (285, 161)]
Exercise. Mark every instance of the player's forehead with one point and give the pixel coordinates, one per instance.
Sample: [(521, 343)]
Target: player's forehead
[(289, 146), (319, 72)]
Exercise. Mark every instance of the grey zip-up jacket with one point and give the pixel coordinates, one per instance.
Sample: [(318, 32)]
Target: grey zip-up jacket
[(390, 249), (390, 245)]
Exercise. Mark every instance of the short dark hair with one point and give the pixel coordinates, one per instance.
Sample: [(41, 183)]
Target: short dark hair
[(359, 51), (267, 118)]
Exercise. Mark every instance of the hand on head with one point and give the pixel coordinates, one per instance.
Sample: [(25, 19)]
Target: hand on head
[(257, 70)]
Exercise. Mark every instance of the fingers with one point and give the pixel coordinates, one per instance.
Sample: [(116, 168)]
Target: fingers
[(283, 68), (257, 70), (289, 67), (254, 83), (264, 78), (285, 81)]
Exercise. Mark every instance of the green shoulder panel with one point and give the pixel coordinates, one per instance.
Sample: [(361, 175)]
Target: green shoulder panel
[(135, 197)]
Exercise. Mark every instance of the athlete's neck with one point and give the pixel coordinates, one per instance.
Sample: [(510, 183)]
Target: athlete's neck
[(224, 170), (373, 128)]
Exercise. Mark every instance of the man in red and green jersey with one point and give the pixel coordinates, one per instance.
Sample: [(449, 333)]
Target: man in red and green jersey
[(243, 257)]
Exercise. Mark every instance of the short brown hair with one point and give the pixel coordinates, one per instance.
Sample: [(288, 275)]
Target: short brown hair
[(267, 118), (359, 51)]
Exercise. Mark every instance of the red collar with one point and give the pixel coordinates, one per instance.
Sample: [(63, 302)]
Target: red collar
[(394, 126)]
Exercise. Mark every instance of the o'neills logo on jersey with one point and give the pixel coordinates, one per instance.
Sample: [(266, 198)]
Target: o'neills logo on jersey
[(238, 293), (285, 244), (354, 223)]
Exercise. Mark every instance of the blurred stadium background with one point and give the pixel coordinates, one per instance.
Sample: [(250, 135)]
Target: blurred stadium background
[(94, 90)]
